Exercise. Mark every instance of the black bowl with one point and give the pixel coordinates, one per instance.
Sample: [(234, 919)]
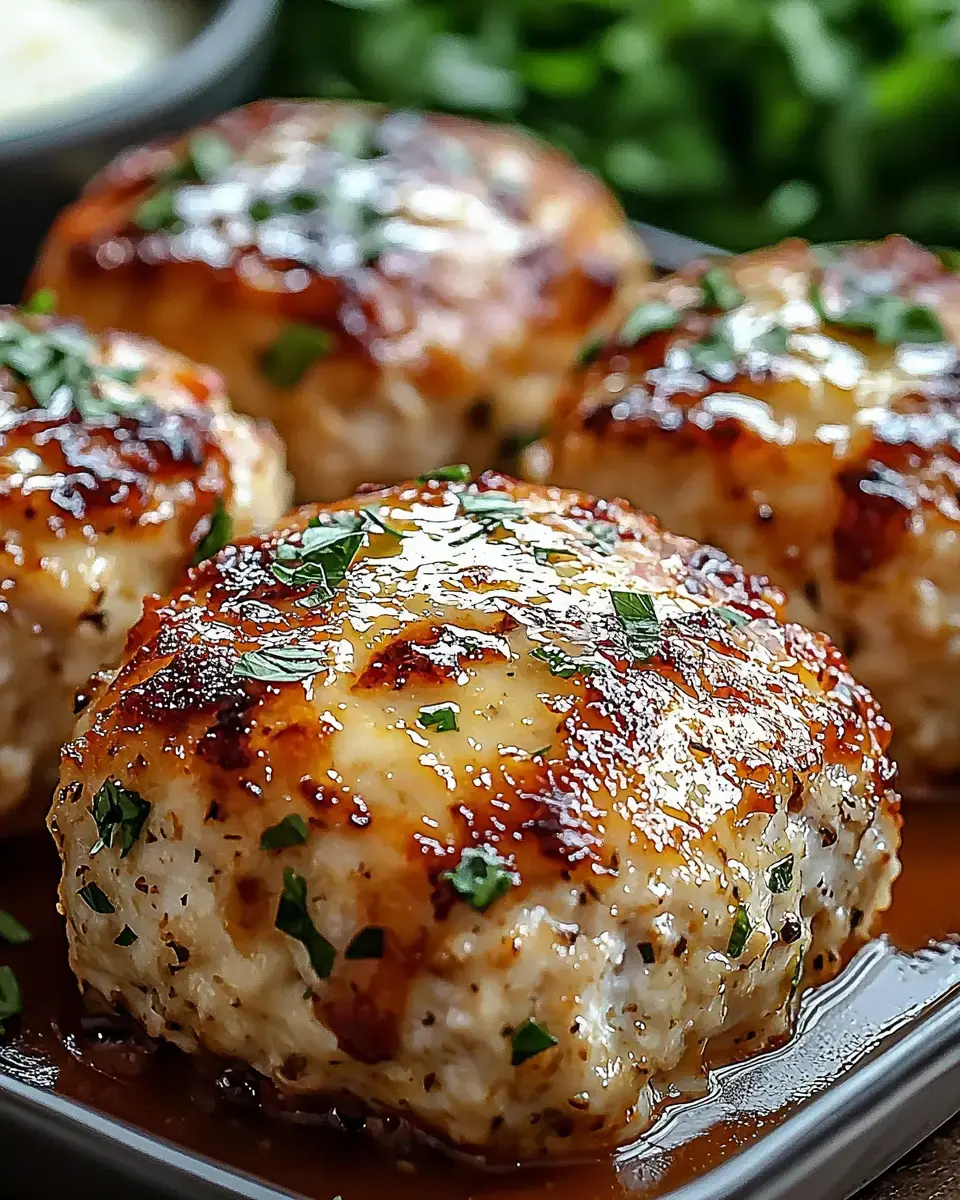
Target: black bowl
[(45, 162)]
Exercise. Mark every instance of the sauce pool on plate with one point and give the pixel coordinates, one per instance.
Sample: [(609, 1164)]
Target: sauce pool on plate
[(218, 1110), (54, 52)]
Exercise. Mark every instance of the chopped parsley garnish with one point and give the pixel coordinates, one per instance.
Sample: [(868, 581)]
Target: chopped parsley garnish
[(42, 303), (218, 533), (740, 933), (589, 352), (732, 615), (441, 717), (11, 930), (495, 506), (354, 139), (322, 558), (287, 360), (157, 211), (646, 952), (656, 316), (11, 1001), (481, 877), (293, 919), (639, 621), (454, 473), (890, 318), (120, 815), (57, 367), (529, 1039), (96, 898), (208, 156), (282, 664), (715, 351), (371, 514), (601, 536), (262, 209), (291, 831), (490, 510), (719, 290), (562, 664), (368, 943), (126, 937), (716, 354), (544, 555), (780, 877)]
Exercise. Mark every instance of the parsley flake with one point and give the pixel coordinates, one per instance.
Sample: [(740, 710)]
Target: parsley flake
[(11, 930), (454, 473), (158, 211), (601, 536), (368, 943), (293, 919), (529, 1039), (490, 510), (322, 558), (656, 316), (489, 505), (96, 898), (589, 352), (441, 717), (371, 514), (639, 621), (646, 952), (740, 934), (120, 815), (208, 155), (58, 367), (43, 302), (780, 875), (291, 831), (719, 290), (481, 877), (562, 664), (732, 616), (219, 532), (890, 318), (544, 555), (281, 664), (11, 1001), (126, 937), (287, 360)]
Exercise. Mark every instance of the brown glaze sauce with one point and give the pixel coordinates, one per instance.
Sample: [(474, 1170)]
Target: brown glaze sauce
[(226, 1114)]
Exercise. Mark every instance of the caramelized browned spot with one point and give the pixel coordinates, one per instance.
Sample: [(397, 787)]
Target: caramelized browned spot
[(106, 475)]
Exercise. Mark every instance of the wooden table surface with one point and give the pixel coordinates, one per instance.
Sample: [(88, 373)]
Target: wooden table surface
[(931, 1172)]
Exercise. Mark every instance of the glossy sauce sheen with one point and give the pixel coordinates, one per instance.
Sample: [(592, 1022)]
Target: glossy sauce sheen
[(447, 271), (195, 1104), (142, 467), (643, 798), (810, 448)]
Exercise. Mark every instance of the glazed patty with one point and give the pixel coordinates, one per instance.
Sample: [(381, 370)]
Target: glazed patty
[(119, 463), (490, 805), (392, 290), (799, 408)]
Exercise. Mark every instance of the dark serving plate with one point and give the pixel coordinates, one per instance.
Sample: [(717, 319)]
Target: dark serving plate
[(871, 1071)]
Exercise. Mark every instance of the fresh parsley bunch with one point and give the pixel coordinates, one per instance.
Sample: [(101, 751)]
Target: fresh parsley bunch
[(738, 121)]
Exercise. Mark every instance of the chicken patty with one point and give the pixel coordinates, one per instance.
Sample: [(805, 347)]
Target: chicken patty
[(490, 805), (392, 290), (799, 408), (119, 463)]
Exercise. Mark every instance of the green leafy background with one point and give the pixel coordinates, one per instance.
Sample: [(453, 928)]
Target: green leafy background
[(737, 121)]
